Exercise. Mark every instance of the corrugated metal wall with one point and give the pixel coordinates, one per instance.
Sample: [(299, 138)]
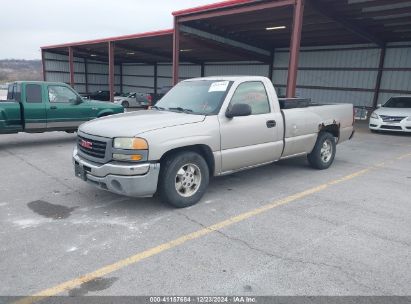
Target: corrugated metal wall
[(347, 73), (397, 73), (57, 69), (326, 74)]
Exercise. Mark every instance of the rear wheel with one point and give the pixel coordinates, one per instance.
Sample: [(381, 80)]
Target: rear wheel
[(125, 104), (323, 154), (184, 179)]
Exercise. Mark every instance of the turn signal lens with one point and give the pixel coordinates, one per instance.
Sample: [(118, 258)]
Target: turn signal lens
[(130, 143), (125, 157)]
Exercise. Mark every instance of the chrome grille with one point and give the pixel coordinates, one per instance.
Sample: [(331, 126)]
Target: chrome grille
[(91, 147), (386, 118)]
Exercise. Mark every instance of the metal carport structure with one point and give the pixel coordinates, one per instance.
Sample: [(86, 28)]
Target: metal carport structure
[(276, 34)]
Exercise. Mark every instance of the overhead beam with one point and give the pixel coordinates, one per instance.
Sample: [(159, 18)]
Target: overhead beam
[(350, 25), (158, 54), (255, 6), (225, 40)]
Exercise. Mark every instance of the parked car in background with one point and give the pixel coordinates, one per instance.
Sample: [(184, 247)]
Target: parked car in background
[(394, 115), (35, 106), (206, 127), (101, 95), (134, 100)]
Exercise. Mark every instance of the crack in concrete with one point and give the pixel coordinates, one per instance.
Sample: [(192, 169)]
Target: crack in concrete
[(282, 257)]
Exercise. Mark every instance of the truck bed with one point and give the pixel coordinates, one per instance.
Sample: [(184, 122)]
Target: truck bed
[(302, 125), (10, 117)]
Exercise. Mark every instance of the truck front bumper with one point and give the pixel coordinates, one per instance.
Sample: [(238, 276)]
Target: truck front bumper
[(135, 180)]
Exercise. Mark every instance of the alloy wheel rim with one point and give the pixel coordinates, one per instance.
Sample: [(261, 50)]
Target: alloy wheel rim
[(326, 151), (188, 180)]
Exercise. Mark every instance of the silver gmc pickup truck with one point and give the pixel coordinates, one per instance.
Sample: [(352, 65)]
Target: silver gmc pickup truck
[(206, 127)]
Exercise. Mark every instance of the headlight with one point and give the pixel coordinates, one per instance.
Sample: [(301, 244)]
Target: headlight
[(374, 115), (133, 143), (130, 149)]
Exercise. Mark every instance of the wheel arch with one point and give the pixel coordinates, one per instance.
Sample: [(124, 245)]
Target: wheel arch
[(333, 129), (204, 150)]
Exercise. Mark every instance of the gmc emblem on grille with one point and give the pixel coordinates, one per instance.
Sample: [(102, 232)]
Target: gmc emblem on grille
[(86, 144)]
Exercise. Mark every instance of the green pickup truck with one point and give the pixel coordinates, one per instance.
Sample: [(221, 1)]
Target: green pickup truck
[(36, 106)]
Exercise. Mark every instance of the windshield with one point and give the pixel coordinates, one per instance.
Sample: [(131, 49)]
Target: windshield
[(124, 94), (398, 102), (203, 97)]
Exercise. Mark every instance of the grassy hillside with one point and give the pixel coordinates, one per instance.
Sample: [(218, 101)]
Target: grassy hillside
[(14, 69)]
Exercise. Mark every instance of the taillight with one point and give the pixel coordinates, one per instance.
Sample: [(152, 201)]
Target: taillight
[(150, 99)]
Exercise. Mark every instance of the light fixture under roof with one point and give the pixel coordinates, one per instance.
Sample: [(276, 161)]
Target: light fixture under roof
[(130, 53), (272, 28), (186, 50), (93, 55)]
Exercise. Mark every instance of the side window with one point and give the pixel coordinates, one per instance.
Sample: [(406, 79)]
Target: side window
[(254, 94), (61, 94), (14, 92), (33, 93), (10, 92)]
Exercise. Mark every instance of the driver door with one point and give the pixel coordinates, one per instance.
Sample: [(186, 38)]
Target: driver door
[(62, 112), (252, 140)]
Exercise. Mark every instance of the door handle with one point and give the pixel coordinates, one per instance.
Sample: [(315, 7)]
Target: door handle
[(271, 123), (53, 107)]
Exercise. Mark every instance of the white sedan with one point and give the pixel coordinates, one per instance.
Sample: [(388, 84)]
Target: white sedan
[(394, 115), (133, 99)]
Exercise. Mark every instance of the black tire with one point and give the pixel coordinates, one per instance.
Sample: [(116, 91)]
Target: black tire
[(125, 104), (316, 158), (169, 179)]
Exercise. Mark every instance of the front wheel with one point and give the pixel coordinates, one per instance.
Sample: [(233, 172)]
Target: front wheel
[(184, 179), (125, 104), (322, 156)]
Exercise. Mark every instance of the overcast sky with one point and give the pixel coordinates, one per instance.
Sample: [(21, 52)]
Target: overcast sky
[(26, 25)]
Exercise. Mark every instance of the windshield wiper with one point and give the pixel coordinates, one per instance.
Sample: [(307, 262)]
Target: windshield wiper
[(180, 109)]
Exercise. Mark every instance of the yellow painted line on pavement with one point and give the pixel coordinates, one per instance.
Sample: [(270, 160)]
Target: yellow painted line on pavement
[(55, 290)]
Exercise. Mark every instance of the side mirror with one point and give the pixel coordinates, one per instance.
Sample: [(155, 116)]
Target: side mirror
[(239, 109), (76, 101)]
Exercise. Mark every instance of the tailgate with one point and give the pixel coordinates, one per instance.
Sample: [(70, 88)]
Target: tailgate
[(10, 117)]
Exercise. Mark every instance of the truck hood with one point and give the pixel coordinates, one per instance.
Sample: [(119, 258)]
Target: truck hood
[(135, 123), (393, 111)]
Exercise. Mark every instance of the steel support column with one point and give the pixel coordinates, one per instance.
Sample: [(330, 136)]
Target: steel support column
[(43, 65), (155, 82), (379, 77), (270, 66), (121, 78), (86, 74), (295, 48), (111, 69), (202, 73), (71, 65), (176, 51)]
